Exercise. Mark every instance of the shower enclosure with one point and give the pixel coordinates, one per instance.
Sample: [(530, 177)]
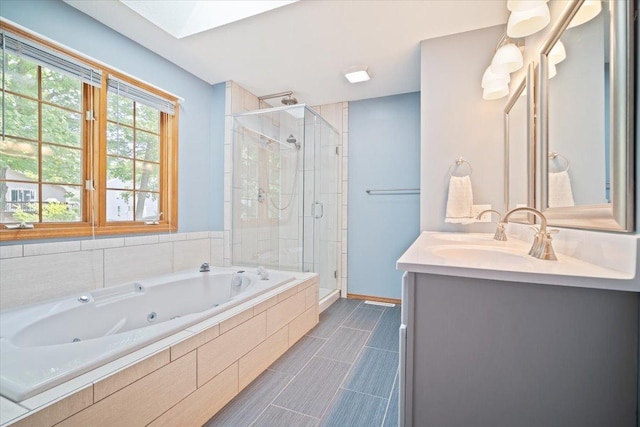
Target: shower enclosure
[(285, 192)]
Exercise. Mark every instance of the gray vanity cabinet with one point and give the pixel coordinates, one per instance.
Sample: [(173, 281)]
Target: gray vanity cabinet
[(478, 352)]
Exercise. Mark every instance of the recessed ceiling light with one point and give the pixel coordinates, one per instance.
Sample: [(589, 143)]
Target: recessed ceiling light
[(357, 76)]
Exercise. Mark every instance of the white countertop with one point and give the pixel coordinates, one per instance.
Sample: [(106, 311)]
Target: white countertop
[(585, 259)]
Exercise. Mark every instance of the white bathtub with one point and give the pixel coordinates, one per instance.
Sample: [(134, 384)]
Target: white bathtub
[(45, 344)]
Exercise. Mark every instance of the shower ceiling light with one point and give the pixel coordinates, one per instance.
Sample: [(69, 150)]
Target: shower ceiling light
[(357, 75), (507, 59), (589, 10), (525, 22)]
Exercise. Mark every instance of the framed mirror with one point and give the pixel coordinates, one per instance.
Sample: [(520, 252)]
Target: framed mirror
[(519, 148), (585, 118)]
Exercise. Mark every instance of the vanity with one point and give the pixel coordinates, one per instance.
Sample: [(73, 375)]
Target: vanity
[(491, 336)]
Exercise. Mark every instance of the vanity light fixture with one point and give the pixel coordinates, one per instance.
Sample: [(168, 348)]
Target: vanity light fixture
[(528, 17), (558, 53), (357, 75), (495, 85), (589, 10), (551, 70), (508, 58)]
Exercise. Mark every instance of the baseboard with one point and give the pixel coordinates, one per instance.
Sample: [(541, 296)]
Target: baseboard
[(371, 298)]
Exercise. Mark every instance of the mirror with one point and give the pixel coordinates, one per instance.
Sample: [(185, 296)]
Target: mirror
[(519, 147), (585, 121)]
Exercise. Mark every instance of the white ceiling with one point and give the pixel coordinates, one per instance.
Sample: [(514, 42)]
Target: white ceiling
[(306, 46)]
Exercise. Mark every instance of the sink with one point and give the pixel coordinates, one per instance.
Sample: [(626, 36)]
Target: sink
[(463, 237), (479, 255)]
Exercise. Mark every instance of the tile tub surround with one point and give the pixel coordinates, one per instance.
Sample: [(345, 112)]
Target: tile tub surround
[(183, 379), (35, 272), (314, 385)]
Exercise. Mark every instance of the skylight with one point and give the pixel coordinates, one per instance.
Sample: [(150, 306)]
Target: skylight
[(182, 18)]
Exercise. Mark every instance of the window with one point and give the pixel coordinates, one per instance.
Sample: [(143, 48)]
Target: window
[(83, 149)]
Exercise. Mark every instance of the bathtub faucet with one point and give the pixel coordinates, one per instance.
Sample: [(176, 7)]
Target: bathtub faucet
[(204, 267)]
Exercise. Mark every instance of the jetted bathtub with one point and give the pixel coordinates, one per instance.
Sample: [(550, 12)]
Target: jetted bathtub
[(45, 344)]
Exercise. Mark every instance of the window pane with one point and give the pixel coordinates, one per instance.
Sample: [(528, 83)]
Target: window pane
[(61, 126), (147, 176), (21, 117), (119, 140), (119, 109), (20, 158), (147, 146), (147, 206), (119, 172), (19, 202), (22, 76), (119, 205), (60, 164), (61, 89), (147, 118), (61, 203)]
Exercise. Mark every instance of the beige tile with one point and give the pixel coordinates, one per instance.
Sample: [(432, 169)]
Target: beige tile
[(126, 264), (260, 358), (141, 402), (236, 320), (190, 344), (34, 249), (141, 240), (302, 324), (216, 355), (284, 312), (60, 410), (91, 245), (10, 251), (189, 254), (311, 296), (27, 280), (217, 252), (216, 235), (123, 378), (260, 307), (204, 403), (287, 294), (171, 237)]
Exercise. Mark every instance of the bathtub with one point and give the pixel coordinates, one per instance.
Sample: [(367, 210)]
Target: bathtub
[(45, 344)]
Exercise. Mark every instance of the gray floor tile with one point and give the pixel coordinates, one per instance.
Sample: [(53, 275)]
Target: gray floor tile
[(332, 317), (298, 355), (280, 417), (385, 335), (363, 318), (312, 389), (254, 399), (344, 345), (391, 417), (374, 372), (354, 410)]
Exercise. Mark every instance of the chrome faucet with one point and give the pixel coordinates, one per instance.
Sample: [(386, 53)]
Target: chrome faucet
[(542, 247), (204, 267), (500, 233)]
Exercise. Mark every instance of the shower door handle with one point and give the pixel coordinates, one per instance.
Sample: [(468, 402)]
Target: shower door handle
[(318, 210)]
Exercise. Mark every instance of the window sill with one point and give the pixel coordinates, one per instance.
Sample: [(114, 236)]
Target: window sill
[(53, 232)]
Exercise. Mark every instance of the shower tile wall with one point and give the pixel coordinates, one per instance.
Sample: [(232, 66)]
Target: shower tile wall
[(240, 100)]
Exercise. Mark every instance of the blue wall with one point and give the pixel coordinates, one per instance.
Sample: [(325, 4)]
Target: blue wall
[(384, 153), (201, 139)]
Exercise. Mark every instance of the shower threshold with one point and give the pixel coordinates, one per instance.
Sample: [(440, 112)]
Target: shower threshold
[(328, 297)]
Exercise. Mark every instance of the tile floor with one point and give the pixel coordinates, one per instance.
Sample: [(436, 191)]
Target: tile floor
[(343, 373)]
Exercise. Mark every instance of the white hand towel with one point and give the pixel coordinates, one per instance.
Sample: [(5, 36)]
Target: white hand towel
[(560, 193), (459, 200)]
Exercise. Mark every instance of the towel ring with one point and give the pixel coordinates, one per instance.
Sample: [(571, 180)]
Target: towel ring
[(553, 156), (459, 162)]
